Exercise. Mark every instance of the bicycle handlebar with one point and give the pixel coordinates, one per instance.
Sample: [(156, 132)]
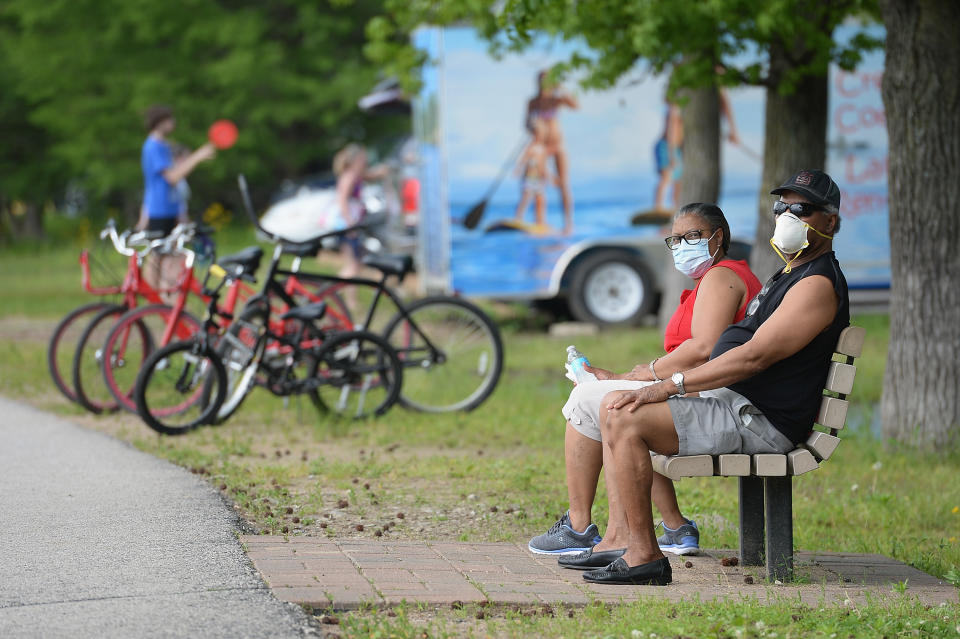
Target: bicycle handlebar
[(125, 242)]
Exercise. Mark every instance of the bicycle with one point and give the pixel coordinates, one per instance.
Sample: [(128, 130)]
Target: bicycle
[(121, 356), (63, 341), (183, 385), (66, 336), (88, 359), (451, 351)]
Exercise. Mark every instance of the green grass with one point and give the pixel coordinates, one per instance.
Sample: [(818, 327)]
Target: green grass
[(496, 474), (654, 618)]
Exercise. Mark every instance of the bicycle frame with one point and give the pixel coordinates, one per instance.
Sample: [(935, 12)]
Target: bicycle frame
[(273, 286), (270, 284), (134, 286)]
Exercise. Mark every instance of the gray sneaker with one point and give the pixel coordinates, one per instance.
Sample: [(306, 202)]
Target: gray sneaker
[(562, 539), (685, 540)]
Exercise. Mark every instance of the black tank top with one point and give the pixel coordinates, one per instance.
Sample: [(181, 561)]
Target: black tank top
[(788, 393)]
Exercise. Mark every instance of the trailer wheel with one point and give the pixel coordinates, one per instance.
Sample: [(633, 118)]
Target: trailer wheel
[(611, 287)]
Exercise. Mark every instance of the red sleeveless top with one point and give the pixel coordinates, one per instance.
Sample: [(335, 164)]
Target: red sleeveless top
[(678, 329)]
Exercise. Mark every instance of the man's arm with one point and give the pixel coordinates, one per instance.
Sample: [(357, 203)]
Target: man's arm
[(806, 310), (182, 169)]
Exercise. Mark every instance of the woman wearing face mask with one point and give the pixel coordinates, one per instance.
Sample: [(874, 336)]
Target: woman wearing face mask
[(698, 243)]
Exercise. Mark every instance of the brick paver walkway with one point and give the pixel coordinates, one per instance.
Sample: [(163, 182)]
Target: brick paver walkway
[(328, 574)]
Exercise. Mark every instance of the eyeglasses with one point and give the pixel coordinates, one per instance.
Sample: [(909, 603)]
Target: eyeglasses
[(800, 209), (755, 302), (692, 238)]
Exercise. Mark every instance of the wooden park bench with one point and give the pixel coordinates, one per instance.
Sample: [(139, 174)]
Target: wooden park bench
[(765, 479)]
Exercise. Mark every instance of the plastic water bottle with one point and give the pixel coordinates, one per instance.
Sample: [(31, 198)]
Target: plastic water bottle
[(575, 363)]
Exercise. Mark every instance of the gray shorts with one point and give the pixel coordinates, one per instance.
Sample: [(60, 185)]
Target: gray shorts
[(721, 421), (717, 422)]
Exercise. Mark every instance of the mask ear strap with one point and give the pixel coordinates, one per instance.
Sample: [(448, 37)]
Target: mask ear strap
[(829, 237), (789, 262)]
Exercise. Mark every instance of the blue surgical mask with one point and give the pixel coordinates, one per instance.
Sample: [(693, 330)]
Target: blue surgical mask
[(694, 260)]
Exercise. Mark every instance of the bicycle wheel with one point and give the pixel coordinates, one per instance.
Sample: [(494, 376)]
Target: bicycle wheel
[(88, 383), (131, 340), (63, 345), (359, 374), (466, 365), (240, 349), (180, 387)]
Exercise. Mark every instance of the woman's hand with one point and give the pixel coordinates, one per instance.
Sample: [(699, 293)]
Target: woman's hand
[(601, 373), (640, 373)]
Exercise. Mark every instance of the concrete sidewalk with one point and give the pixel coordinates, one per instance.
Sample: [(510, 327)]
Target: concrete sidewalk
[(100, 540), (341, 575)]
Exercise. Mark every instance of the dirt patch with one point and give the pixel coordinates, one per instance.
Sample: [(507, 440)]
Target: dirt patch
[(18, 328)]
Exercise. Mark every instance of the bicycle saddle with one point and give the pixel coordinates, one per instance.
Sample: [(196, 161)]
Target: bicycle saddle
[(248, 259), (301, 250), (307, 312), (398, 265)]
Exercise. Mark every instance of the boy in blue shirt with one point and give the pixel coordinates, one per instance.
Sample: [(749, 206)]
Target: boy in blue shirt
[(161, 206), (162, 210)]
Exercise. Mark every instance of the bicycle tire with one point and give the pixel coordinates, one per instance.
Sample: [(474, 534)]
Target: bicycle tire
[(151, 321), (347, 368), (63, 345), (87, 377), (471, 347), (193, 369)]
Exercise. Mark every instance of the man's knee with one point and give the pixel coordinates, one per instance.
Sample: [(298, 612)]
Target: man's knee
[(619, 426)]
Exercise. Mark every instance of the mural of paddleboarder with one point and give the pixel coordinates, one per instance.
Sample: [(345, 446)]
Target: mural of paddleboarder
[(542, 111)]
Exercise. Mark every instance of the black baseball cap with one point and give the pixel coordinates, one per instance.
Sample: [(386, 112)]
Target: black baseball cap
[(816, 186)]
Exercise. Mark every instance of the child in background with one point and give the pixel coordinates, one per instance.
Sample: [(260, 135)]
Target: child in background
[(532, 167), (179, 193)]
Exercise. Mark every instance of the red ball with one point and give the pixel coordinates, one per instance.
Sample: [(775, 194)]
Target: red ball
[(223, 134)]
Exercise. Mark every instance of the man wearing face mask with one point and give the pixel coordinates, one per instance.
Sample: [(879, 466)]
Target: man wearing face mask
[(761, 389), (698, 243)]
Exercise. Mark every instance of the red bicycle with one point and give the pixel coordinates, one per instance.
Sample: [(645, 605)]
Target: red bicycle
[(89, 356), (66, 335), (124, 350)]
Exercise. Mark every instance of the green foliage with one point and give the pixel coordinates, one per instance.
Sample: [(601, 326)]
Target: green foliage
[(661, 34), (78, 75)]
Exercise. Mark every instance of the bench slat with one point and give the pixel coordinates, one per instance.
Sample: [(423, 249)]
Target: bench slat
[(731, 465), (851, 341), (833, 412), (769, 465), (801, 461), (822, 445), (840, 378), (676, 467)]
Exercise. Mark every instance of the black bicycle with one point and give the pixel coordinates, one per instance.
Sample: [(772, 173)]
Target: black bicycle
[(451, 352), (186, 384)]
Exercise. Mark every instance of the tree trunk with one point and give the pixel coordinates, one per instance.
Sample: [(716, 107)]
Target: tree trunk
[(921, 97), (795, 138), (700, 181)]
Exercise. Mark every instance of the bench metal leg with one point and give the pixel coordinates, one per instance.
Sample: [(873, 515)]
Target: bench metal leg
[(778, 496), (751, 521)]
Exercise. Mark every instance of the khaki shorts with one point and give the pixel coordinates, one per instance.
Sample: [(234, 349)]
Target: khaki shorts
[(717, 422), (582, 409)]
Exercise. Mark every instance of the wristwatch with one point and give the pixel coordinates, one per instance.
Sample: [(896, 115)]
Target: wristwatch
[(677, 379)]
